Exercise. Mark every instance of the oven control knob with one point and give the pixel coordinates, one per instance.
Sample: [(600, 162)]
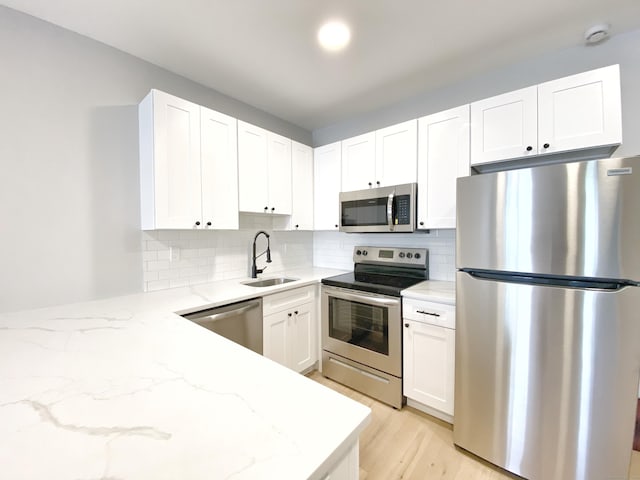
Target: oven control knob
[(364, 252), (409, 255), (401, 254), (358, 252), (417, 256)]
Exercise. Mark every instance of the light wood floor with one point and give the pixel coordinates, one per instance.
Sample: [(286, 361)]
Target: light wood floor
[(410, 445)]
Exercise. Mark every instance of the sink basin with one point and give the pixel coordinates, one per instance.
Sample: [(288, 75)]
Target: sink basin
[(268, 282)]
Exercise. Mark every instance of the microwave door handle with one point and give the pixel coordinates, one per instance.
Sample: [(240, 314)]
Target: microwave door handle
[(390, 211)]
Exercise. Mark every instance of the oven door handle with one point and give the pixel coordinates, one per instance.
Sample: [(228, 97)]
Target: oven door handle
[(383, 302), (390, 210)]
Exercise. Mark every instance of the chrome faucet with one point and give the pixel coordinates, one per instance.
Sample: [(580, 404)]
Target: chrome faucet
[(254, 270)]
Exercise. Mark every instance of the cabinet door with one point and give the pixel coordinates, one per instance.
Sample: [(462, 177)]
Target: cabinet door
[(443, 157), (358, 162), (274, 337), (580, 111), (326, 186), (252, 168), (429, 365), (219, 162), (176, 124), (279, 173), (301, 187), (302, 338), (504, 126), (397, 154)]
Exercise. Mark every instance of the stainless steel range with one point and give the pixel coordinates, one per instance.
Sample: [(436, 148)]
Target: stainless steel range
[(362, 320)]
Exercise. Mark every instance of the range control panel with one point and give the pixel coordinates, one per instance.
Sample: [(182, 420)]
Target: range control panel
[(417, 257)]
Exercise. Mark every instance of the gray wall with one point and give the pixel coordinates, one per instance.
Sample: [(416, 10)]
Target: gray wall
[(623, 49), (69, 206)]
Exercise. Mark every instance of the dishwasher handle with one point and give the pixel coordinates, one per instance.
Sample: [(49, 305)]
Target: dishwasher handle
[(221, 316)]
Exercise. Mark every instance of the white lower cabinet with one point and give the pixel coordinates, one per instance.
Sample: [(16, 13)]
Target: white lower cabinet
[(348, 467), (289, 334), (429, 356)]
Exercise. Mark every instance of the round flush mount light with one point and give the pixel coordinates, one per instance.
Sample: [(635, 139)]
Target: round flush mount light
[(334, 35), (596, 34)]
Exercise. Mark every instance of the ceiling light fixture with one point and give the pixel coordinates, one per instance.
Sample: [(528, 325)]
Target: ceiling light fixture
[(334, 36), (596, 34)]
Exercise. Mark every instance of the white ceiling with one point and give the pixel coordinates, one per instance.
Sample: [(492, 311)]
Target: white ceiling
[(264, 52)]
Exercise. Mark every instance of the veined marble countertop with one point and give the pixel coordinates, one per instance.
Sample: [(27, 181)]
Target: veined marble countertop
[(124, 388), (433, 291)]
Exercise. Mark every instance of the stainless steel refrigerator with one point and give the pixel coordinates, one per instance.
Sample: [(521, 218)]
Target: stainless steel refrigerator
[(548, 318)]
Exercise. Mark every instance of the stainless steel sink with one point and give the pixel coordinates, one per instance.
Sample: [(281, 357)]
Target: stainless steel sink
[(268, 282)]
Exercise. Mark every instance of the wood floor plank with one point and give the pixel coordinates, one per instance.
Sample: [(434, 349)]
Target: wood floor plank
[(410, 445)]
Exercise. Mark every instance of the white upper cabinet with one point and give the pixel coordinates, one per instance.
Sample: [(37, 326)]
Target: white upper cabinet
[(184, 154), (443, 156), (264, 163), (382, 158), (279, 173), (580, 111), (576, 113), (397, 154), (326, 186), (359, 162), (505, 126), (301, 187), (219, 163), (252, 166)]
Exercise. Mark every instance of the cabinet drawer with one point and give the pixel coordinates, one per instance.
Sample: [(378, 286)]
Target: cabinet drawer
[(284, 300), (429, 312)]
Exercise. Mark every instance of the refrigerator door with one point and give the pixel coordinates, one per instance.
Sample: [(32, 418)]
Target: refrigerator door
[(547, 377), (576, 219)]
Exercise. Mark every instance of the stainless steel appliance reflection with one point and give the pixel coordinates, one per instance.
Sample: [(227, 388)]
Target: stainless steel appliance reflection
[(240, 322), (547, 340), (362, 320), (382, 209)]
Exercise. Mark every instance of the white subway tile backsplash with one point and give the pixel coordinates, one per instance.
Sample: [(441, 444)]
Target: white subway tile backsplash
[(149, 255), (157, 265), (335, 249), (157, 285), (209, 255), (150, 276), (163, 254)]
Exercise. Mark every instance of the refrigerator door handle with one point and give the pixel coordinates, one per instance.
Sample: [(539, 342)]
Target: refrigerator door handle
[(551, 280)]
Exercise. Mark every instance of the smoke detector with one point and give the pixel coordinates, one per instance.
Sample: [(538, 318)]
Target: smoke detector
[(596, 34)]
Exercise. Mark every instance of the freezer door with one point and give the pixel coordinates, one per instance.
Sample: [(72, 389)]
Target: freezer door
[(575, 219), (547, 378)]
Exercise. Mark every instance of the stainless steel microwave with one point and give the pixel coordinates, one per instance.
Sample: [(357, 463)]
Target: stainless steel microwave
[(383, 209)]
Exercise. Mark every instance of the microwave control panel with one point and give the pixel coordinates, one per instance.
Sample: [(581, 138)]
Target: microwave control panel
[(403, 210)]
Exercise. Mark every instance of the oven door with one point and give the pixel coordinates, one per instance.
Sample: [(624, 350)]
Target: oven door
[(363, 327)]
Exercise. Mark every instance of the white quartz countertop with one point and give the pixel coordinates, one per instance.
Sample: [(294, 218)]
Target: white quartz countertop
[(124, 388), (433, 291)]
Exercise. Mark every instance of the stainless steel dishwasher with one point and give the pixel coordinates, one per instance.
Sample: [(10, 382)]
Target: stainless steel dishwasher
[(240, 322)]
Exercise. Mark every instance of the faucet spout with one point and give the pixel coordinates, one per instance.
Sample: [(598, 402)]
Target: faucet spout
[(254, 269)]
